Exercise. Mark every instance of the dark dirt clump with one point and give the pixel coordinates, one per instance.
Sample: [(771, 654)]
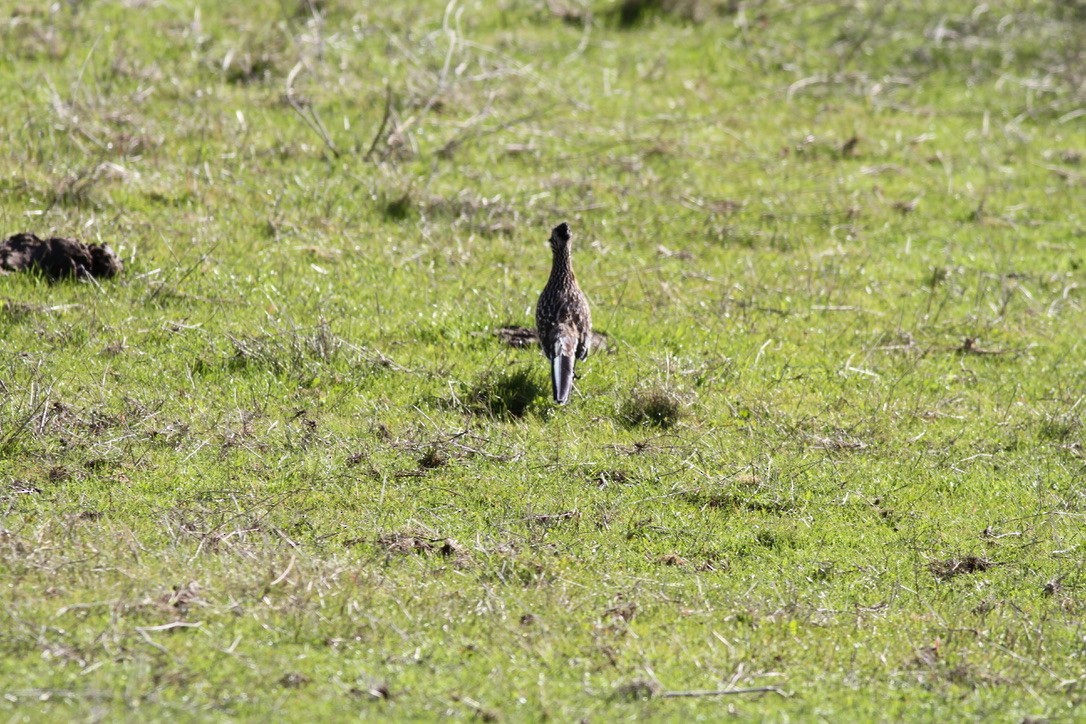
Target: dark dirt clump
[(519, 337), (433, 458), (959, 566), (406, 543), (293, 680), (636, 690), (58, 258), (671, 559), (603, 478), (403, 543)]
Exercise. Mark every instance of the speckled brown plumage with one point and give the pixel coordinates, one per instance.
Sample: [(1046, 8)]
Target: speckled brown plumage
[(562, 317)]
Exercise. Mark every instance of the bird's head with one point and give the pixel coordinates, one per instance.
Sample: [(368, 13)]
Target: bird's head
[(560, 237)]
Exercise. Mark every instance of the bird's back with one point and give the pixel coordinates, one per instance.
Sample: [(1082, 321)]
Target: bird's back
[(563, 308), (562, 317)]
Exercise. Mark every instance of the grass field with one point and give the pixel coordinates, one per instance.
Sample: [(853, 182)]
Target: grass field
[(283, 466)]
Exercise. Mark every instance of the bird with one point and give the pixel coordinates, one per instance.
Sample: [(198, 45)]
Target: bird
[(562, 318)]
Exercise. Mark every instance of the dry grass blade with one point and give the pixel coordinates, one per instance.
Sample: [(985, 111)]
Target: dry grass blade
[(308, 114)]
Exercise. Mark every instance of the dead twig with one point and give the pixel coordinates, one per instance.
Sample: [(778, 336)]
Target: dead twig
[(724, 692), (384, 123), (170, 626)]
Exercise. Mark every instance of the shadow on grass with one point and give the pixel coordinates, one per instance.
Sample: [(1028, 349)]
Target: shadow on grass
[(630, 14), (510, 394)]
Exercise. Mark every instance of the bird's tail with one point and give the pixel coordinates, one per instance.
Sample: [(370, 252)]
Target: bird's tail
[(562, 368)]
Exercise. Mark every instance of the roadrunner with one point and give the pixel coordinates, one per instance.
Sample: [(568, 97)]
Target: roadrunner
[(562, 318)]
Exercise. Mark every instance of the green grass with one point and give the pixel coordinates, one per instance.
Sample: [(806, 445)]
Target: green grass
[(284, 467)]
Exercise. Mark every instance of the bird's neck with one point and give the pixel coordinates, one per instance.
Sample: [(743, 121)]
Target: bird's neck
[(562, 266)]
